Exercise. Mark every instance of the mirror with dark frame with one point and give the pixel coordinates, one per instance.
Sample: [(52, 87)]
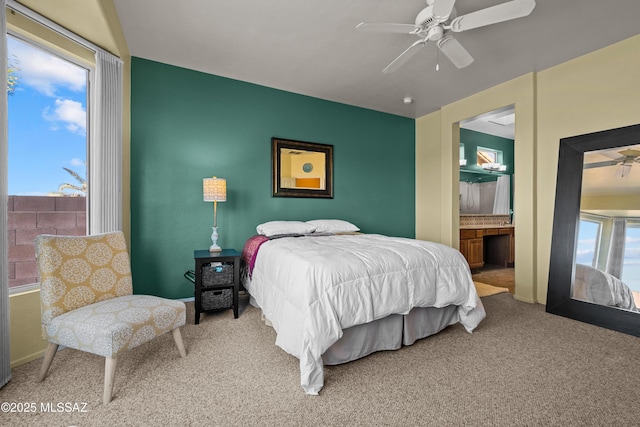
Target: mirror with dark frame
[(301, 169), (594, 270)]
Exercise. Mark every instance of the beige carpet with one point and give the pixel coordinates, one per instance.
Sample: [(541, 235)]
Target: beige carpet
[(520, 367), (485, 290)]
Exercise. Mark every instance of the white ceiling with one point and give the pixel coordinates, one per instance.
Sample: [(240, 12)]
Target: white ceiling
[(602, 180), (312, 47), (500, 122)]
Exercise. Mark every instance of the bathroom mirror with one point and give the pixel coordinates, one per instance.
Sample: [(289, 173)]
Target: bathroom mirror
[(580, 193), (301, 169)]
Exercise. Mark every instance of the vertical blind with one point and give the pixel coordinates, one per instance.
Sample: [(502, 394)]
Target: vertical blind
[(105, 147), (5, 360)]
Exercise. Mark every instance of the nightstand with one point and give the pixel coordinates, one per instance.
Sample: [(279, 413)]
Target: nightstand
[(217, 281)]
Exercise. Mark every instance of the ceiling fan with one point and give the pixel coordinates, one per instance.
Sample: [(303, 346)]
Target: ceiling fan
[(629, 157), (435, 21)]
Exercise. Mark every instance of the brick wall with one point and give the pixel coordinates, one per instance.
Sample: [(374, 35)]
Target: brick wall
[(30, 216)]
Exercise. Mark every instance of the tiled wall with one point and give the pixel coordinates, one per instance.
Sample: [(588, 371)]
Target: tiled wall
[(30, 216), (483, 220)]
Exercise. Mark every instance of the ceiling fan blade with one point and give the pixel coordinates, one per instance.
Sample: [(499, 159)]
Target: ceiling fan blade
[(404, 56), (386, 28), (443, 8), (492, 15), (456, 53), (615, 155), (623, 171), (600, 164)]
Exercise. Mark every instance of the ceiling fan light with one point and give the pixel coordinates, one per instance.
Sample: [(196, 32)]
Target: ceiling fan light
[(435, 33)]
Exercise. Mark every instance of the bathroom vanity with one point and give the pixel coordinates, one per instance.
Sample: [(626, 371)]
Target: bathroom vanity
[(487, 239)]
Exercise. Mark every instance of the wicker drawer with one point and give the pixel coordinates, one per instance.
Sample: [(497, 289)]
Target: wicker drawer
[(217, 274), (217, 299)]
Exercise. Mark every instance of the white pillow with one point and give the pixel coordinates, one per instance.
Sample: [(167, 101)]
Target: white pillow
[(333, 226), (274, 228)]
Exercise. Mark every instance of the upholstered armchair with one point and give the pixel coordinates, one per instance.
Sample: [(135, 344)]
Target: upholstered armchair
[(87, 301)]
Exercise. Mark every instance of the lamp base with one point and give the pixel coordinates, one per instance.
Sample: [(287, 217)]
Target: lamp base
[(214, 240)]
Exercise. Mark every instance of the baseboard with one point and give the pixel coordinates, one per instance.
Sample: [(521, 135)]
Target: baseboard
[(27, 359), (528, 300)]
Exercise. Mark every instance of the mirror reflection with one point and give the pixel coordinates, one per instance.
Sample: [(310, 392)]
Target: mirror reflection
[(608, 248), (302, 169)]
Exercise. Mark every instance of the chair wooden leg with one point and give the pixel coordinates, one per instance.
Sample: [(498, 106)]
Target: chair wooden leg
[(177, 337), (109, 376), (46, 361)]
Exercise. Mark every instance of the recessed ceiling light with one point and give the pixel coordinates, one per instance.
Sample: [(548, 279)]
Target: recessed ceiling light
[(408, 100)]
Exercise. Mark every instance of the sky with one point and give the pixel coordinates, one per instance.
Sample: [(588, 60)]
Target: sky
[(631, 266), (47, 121)]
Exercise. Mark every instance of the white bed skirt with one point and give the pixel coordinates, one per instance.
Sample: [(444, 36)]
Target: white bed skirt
[(389, 333)]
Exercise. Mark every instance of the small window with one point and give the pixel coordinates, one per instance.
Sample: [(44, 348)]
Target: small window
[(488, 155), (588, 242)]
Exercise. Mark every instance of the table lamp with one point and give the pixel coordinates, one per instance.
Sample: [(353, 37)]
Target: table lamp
[(214, 190)]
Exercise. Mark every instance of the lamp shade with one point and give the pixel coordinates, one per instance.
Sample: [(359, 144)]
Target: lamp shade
[(214, 189)]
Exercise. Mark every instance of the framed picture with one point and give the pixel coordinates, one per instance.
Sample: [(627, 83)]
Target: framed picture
[(301, 169)]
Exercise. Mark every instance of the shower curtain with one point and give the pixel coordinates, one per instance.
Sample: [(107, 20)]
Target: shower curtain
[(502, 199)]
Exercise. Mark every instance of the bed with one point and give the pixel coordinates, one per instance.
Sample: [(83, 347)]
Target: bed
[(334, 296)]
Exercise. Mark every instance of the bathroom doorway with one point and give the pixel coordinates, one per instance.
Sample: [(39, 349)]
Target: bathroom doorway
[(486, 196)]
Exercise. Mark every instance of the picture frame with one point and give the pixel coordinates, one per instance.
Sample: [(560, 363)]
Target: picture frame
[(301, 169)]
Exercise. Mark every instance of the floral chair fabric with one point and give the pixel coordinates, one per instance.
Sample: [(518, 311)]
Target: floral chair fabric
[(108, 327), (87, 301)]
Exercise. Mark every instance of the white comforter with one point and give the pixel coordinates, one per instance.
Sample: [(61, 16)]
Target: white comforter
[(311, 288)]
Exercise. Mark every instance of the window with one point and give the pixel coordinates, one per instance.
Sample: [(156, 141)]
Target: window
[(488, 155), (47, 123), (47, 151), (631, 259), (589, 233)]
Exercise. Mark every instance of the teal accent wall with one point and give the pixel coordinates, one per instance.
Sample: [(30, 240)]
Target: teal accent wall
[(187, 125)]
